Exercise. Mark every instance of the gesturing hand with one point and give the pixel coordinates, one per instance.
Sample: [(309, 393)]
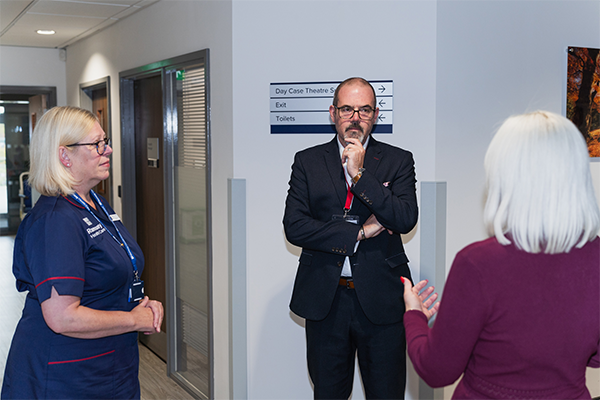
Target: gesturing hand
[(415, 301)]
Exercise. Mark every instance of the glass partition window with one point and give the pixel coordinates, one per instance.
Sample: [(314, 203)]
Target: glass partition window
[(191, 248)]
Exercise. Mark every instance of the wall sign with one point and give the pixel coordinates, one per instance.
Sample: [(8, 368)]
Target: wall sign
[(303, 107)]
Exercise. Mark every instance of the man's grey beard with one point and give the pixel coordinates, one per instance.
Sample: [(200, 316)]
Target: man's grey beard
[(360, 135)]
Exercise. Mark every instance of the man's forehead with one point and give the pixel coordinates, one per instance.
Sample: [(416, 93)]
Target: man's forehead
[(356, 89)]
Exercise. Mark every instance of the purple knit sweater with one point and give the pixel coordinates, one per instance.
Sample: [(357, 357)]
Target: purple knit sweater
[(518, 325)]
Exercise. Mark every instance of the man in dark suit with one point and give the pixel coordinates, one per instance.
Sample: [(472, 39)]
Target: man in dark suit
[(348, 202)]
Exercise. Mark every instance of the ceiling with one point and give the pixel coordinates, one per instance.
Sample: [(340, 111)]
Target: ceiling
[(72, 20)]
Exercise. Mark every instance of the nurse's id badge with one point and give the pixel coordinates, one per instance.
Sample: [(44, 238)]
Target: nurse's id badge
[(136, 291)]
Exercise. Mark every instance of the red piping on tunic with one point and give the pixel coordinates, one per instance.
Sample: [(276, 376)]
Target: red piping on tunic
[(82, 359), (75, 204), (60, 277)]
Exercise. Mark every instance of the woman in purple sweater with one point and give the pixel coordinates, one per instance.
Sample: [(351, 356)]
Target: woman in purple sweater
[(521, 311)]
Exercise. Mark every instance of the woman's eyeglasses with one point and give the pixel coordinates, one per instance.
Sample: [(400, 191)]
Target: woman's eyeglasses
[(100, 145)]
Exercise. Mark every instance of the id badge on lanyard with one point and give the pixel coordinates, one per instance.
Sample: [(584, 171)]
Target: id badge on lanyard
[(353, 219), (136, 289)]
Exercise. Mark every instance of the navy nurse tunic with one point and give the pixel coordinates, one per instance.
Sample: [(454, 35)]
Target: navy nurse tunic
[(60, 244)]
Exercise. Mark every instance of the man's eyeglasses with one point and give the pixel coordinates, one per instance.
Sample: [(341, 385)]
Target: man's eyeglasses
[(347, 112), (100, 145)]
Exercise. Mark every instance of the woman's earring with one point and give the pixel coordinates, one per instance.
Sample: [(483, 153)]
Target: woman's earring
[(66, 162)]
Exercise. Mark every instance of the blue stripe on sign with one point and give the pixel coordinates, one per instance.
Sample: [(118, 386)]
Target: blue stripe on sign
[(328, 129), (381, 128)]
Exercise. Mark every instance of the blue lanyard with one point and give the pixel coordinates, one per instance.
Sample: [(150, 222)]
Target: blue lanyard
[(122, 243)]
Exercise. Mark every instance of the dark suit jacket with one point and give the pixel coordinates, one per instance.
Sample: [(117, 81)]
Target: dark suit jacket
[(317, 192)]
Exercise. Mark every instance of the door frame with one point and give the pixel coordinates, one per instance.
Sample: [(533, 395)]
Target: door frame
[(10, 92), (85, 102), (128, 184), (127, 78), (13, 92), (50, 91)]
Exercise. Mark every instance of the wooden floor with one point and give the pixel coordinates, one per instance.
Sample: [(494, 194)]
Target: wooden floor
[(154, 382)]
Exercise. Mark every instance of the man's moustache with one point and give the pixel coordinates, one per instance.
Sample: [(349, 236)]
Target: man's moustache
[(355, 126)]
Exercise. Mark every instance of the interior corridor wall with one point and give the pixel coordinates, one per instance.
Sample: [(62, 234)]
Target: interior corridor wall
[(33, 66), (161, 31), (308, 41), (496, 59)]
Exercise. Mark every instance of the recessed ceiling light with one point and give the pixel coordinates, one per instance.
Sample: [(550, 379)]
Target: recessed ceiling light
[(45, 32)]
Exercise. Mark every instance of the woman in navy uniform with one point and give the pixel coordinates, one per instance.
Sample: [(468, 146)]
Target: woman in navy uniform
[(77, 337)]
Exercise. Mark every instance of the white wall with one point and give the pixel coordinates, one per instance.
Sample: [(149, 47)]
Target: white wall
[(32, 66), (289, 41), (496, 59), (164, 30)]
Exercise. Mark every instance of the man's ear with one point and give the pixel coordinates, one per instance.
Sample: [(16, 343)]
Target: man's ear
[(332, 113), (63, 155)]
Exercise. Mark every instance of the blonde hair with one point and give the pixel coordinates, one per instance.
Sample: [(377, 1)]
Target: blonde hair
[(60, 126), (539, 185)]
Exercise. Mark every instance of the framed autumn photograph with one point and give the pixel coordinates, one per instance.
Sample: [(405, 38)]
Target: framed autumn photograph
[(583, 94)]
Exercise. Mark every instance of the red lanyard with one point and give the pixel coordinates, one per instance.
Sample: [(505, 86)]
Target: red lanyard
[(349, 198)]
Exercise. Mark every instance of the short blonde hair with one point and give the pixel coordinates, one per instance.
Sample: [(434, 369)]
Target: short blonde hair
[(60, 126), (539, 185)]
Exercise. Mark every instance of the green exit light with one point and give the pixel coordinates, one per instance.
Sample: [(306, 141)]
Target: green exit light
[(180, 75)]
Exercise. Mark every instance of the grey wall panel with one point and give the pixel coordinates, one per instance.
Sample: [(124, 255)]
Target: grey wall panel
[(237, 279), (433, 251)]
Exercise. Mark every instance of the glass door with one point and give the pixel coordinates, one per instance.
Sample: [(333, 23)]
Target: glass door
[(187, 115)]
